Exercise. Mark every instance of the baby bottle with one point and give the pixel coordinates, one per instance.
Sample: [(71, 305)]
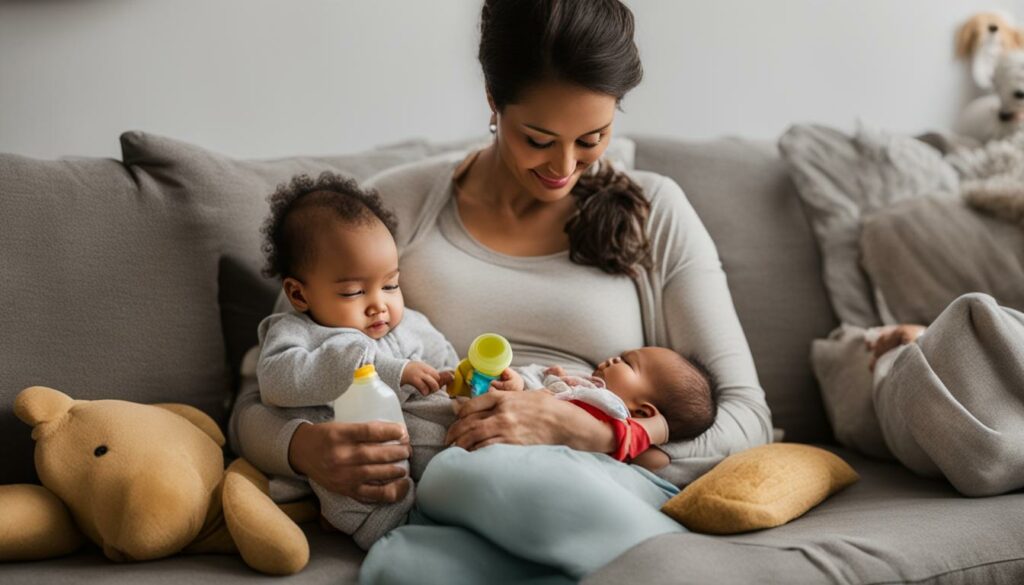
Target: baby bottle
[(489, 355), (369, 399)]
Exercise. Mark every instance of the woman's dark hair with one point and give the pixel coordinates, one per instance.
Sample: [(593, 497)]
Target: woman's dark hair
[(287, 245), (588, 43)]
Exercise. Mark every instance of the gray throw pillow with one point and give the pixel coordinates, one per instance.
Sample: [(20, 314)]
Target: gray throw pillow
[(842, 365), (840, 179), (923, 254)]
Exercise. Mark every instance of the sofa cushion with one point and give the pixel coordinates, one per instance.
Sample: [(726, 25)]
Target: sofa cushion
[(744, 196), (109, 290), (890, 527)]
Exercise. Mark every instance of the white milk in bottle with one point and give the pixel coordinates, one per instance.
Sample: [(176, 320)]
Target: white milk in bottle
[(369, 399)]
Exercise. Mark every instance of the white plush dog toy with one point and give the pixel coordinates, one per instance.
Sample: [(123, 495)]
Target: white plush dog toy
[(983, 39), (999, 114)]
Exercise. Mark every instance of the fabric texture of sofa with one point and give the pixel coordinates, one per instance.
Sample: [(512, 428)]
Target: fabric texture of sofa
[(139, 279)]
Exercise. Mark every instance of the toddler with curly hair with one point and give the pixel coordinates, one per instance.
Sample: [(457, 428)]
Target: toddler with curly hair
[(333, 246)]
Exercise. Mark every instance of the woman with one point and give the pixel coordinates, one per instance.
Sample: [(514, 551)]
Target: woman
[(572, 261)]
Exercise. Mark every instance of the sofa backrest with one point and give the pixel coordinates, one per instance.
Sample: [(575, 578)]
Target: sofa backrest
[(140, 279), (742, 192)]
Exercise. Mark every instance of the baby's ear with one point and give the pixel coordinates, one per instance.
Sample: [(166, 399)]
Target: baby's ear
[(645, 410), (296, 296), (39, 405)]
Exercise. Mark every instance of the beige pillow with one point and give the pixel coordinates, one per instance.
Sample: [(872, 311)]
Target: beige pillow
[(842, 365), (759, 488)]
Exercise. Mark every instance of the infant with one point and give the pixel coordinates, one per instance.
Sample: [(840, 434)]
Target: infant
[(648, 395), (333, 246)]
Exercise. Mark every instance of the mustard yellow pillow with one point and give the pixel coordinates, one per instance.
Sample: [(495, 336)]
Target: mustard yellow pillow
[(759, 488)]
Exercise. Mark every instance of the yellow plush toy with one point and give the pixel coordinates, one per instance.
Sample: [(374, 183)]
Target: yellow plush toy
[(142, 482)]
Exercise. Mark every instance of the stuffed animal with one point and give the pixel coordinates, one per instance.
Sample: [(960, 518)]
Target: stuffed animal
[(1000, 114), (992, 176), (983, 39), (142, 482)]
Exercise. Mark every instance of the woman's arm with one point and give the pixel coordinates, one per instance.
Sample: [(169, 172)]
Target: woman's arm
[(699, 320)]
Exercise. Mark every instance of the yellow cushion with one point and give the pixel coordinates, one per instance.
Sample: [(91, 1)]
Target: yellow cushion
[(759, 488)]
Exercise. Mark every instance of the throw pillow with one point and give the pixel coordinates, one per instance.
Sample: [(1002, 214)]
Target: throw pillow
[(840, 179), (760, 488), (842, 365), (923, 254), (109, 290)]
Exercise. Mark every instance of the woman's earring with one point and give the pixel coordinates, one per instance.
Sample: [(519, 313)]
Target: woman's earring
[(493, 128)]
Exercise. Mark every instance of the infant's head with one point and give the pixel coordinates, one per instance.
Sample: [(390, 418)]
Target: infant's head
[(653, 380), (332, 244)]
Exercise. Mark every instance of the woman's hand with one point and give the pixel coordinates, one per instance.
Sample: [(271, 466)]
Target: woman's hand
[(353, 459), (527, 418)]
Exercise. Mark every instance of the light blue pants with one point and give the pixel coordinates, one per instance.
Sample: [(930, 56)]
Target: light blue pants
[(511, 514)]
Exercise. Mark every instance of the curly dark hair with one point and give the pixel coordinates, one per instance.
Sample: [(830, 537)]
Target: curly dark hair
[(288, 248), (587, 43)]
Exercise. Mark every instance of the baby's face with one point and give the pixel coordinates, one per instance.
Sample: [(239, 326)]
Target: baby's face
[(632, 376), (353, 280)]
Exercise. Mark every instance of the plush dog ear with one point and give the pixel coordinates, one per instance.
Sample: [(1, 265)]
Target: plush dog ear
[(196, 417), (40, 405), (967, 38), (1016, 37)]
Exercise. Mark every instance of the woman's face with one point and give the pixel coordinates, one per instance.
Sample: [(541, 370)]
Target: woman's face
[(552, 134)]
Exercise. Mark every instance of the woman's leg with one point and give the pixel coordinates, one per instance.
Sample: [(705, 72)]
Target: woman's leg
[(551, 505), (429, 554)]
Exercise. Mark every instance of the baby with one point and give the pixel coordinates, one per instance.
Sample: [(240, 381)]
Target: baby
[(332, 244), (648, 396)]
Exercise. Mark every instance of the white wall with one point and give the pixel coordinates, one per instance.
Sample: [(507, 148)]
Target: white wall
[(272, 78)]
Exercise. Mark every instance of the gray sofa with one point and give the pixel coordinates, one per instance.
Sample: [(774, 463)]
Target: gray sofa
[(139, 279)]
